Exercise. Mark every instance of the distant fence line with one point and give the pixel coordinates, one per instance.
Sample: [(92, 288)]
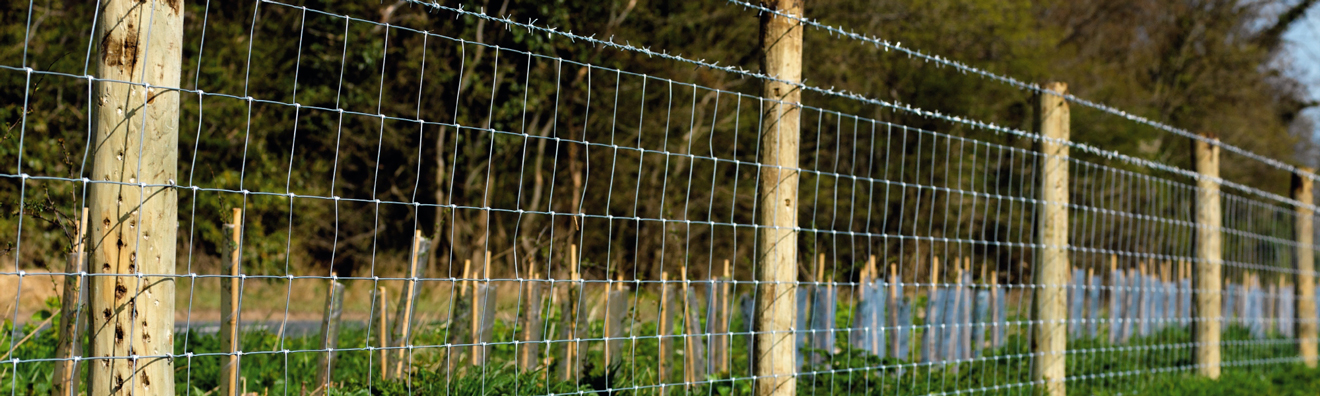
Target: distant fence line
[(695, 240)]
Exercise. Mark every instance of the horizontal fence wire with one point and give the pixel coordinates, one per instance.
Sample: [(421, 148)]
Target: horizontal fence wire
[(1020, 84), (368, 206)]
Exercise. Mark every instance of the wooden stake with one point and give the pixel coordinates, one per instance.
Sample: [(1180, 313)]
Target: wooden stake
[(609, 325), (934, 272), (932, 347), (1090, 282), (575, 290), (666, 329), (1209, 256), (876, 324), (133, 209), (1050, 272), (689, 358), (994, 307), (383, 331), (892, 310), (1143, 306), (531, 324), (231, 291), (65, 379), (569, 314), (1305, 328), (407, 299), (775, 359), (334, 308), (720, 344), (467, 278), (479, 302)]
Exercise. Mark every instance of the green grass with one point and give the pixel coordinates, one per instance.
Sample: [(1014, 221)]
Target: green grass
[(850, 372)]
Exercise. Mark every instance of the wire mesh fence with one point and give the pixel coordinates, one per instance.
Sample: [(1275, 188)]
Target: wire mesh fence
[(341, 204)]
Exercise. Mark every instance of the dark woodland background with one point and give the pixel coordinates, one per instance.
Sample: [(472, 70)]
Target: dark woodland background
[(1202, 65)]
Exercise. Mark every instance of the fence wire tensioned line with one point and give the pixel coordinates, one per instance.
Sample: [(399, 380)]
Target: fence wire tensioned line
[(465, 212), (531, 26), (897, 106), (1014, 82)]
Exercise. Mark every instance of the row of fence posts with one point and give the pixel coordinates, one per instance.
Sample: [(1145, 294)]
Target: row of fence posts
[(776, 308), (962, 317), (781, 44)]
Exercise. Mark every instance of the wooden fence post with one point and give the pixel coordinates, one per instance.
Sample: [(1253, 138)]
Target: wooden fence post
[(775, 358), (334, 308), (1305, 323), (1050, 274), (231, 287), (1209, 256), (71, 318), (133, 206)]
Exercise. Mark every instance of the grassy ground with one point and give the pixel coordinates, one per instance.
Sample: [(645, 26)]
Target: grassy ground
[(1158, 364)]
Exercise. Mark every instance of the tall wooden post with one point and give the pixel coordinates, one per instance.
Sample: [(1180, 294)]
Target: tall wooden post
[(775, 359), (65, 379), (1050, 274), (134, 224), (231, 288), (1305, 276), (1209, 256)]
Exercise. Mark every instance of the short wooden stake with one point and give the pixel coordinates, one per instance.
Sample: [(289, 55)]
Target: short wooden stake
[(71, 319), (616, 305), (477, 305), (407, 301), (231, 291), (383, 330), (666, 326), (892, 311), (931, 345), (531, 324), (689, 358), (1050, 337), (719, 345), (569, 319), (334, 308), (994, 308), (1209, 257)]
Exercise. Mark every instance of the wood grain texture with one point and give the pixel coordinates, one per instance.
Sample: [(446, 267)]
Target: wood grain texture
[(1207, 276), (133, 227), (1050, 274), (775, 360)]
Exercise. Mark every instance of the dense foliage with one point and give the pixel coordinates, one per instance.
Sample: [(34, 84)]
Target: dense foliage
[(1203, 65)]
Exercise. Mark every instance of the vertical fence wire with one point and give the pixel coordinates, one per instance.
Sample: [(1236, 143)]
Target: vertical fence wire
[(459, 217)]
